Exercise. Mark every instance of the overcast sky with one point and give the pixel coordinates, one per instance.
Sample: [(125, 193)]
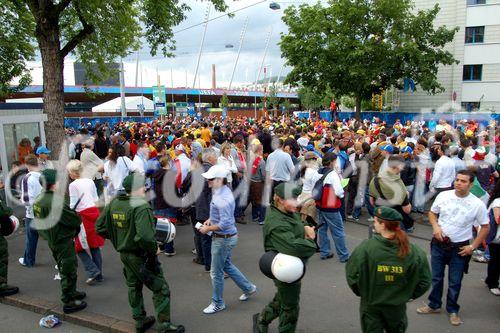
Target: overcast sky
[(221, 32)]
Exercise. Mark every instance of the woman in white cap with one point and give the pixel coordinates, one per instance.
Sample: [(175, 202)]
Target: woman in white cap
[(224, 238)]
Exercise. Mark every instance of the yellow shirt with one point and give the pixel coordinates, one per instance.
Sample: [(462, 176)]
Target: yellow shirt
[(206, 135)]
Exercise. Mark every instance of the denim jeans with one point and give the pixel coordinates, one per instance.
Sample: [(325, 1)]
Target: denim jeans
[(258, 213), (221, 262), (440, 257), (93, 265), (168, 213), (332, 221), (366, 201), (203, 246), (31, 241)]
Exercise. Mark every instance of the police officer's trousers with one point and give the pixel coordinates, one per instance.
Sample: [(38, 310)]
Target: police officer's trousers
[(285, 305), (4, 261), (383, 318), (65, 256), (154, 281)]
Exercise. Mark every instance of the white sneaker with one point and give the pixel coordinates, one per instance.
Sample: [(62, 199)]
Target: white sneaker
[(21, 261), (213, 308), (495, 291), (246, 296), (371, 219)]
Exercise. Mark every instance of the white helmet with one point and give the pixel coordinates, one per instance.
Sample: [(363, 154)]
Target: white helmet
[(165, 230), (282, 267)]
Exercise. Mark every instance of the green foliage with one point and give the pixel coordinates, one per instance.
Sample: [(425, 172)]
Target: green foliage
[(224, 101), (96, 32), (272, 99), (287, 104), (16, 46), (357, 46)]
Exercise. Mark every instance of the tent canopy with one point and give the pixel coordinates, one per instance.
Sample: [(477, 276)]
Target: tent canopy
[(132, 103)]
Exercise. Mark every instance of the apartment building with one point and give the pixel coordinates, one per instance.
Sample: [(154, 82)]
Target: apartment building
[(474, 83)]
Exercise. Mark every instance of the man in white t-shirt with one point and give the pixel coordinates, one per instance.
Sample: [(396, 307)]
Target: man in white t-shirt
[(452, 216)]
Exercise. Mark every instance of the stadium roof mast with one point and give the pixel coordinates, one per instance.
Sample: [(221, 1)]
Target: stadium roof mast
[(207, 14), (242, 37)]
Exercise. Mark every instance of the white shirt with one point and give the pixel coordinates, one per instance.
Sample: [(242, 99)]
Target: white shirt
[(311, 176), (84, 188), (333, 178), (229, 164), (458, 215), (279, 165), (185, 165), (141, 163), (30, 192), (303, 141), (117, 172), (495, 204), (444, 173)]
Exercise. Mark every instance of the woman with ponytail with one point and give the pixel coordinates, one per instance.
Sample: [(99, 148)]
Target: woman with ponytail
[(387, 271)]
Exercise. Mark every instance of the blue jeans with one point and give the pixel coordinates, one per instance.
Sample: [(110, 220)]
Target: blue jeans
[(258, 213), (93, 265), (332, 221), (221, 262), (168, 213), (31, 241), (440, 257), (366, 201)]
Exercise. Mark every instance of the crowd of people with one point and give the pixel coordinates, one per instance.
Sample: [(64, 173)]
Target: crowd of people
[(303, 178)]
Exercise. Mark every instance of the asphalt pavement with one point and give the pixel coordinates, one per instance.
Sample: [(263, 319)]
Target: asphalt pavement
[(327, 304)]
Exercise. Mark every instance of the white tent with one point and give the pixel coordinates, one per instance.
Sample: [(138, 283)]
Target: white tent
[(132, 104)]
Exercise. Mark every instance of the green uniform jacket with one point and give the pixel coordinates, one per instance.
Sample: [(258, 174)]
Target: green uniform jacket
[(130, 225), (284, 233), (67, 222), (376, 273), (4, 210)]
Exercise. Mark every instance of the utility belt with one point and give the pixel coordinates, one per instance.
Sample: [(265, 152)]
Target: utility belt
[(224, 236), (448, 244)]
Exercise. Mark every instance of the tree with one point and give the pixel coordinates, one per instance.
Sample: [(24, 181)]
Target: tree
[(358, 47), (95, 32), (16, 47), (224, 101), (272, 99), (287, 105), (310, 99)]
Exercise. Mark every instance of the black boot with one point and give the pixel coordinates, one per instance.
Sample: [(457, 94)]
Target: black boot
[(8, 291), (148, 322), (74, 306), (79, 295), (171, 328)]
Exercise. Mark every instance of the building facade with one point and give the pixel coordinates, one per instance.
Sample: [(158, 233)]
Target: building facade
[(474, 83)]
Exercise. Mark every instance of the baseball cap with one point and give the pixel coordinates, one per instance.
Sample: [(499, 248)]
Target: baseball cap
[(387, 148), (42, 150), (286, 192), (407, 149), (216, 171)]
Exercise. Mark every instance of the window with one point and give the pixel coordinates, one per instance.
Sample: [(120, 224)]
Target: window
[(471, 106), (474, 35), (476, 2), (472, 72)]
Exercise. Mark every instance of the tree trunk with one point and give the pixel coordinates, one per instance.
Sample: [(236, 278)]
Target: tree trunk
[(48, 36), (358, 108)]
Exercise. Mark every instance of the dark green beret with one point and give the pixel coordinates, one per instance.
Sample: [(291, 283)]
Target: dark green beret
[(133, 182), (287, 191), (388, 214), (48, 177)]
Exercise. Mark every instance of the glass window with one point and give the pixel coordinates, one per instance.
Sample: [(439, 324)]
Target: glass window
[(474, 35), (471, 106), (476, 2), (472, 72)]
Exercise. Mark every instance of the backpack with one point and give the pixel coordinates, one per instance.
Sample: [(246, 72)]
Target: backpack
[(317, 191), (345, 165)]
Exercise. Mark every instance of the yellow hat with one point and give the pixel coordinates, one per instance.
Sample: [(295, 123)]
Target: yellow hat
[(256, 142), (361, 132), (469, 133)]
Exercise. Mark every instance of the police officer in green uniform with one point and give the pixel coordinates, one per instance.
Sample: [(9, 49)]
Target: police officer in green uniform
[(387, 271), (5, 230), (129, 223), (284, 232), (59, 224)]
